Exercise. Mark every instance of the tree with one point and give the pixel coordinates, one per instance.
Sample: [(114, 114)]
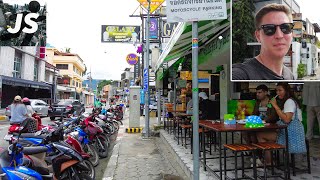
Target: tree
[(68, 50), (242, 29), (103, 83)]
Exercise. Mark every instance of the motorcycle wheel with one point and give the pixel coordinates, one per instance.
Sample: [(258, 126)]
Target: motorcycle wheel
[(102, 147), (116, 126), (92, 172), (91, 149)]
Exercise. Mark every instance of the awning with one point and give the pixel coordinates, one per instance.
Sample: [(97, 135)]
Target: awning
[(179, 44), (24, 83)]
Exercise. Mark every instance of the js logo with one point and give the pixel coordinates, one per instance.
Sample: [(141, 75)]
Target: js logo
[(27, 21)]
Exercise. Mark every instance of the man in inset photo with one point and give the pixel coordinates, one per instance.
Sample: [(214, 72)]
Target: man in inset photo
[(273, 29)]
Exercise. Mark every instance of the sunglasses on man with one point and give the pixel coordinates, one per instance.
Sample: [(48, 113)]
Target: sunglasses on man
[(270, 29)]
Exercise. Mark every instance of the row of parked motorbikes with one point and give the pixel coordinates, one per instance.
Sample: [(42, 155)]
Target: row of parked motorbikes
[(68, 149)]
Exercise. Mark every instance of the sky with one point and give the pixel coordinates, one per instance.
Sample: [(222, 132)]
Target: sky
[(309, 9), (77, 25)]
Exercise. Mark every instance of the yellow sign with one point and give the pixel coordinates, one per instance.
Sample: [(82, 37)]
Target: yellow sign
[(154, 4)]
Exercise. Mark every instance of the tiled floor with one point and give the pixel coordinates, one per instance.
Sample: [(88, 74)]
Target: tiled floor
[(186, 157)]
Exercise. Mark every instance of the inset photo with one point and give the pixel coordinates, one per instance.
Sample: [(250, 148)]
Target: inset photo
[(275, 40), (22, 23)]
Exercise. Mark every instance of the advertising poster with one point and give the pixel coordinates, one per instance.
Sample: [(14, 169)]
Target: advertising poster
[(120, 33)]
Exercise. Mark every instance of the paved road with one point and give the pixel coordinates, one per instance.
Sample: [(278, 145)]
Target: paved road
[(4, 125)]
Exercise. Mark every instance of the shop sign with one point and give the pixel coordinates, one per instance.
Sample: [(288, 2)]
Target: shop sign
[(120, 33), (215, 45), (154, 4), (168, 29), (196, 10), (132, 59)]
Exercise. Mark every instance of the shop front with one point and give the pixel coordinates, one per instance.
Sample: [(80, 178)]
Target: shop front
[(10, 87)]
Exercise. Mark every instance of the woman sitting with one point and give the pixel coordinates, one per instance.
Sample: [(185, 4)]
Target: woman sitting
[(287, 109)]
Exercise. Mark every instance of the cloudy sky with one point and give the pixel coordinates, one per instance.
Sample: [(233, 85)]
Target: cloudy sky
[(77, 25)]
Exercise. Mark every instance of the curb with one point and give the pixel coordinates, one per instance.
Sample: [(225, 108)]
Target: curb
[(113, 161), (134, 130)]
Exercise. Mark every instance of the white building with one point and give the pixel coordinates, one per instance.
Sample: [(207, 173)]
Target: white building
[(22, 73)]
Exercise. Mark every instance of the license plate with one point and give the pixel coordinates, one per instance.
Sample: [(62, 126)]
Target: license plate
[(8, 137), (58, 109)]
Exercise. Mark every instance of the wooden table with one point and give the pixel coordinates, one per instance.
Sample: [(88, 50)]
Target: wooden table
[(220, 127)]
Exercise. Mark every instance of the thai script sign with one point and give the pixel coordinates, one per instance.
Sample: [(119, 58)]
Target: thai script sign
[(195, 10)]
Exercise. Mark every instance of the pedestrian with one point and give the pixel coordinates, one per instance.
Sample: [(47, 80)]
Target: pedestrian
[(311, 98), (274, 26)]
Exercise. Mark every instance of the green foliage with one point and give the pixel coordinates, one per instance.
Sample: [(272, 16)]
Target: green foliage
[(242, 29), (301, 70), (103, 83)]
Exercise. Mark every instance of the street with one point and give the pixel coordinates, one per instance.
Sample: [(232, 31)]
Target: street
[(4, 125)]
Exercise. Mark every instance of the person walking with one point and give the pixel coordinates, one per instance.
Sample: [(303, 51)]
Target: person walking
[(311, 98)]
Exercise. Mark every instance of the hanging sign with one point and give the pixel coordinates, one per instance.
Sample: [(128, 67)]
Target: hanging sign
[(154, 4), (132, 59)]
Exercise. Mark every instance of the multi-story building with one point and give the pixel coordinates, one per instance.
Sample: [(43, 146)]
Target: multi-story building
[(72, 69), (22, 73)]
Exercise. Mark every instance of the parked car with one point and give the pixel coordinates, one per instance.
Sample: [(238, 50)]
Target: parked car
[(38, 106), (65, 107)]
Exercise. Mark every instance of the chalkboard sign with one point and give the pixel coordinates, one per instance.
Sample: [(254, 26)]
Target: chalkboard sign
[(214, 84)]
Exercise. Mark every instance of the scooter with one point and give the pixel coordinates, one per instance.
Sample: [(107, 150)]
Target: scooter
[(12, 159)]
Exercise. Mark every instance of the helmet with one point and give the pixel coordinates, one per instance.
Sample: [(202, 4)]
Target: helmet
[(25, 99)]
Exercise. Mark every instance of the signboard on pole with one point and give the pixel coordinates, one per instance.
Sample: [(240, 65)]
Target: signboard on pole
[(132, 59), (136, 70), (154, 4), (168, 29), (153, 32), (145, 79), (195, 10), (119, 33)]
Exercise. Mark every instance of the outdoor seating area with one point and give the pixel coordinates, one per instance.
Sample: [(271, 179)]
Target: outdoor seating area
[(224, 155)]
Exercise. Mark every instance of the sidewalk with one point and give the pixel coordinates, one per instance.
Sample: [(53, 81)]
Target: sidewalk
[(134, 157)]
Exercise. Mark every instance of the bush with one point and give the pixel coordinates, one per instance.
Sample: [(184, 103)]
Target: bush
[(301, 70)]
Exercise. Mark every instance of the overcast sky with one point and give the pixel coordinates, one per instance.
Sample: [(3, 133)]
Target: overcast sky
[(76, 24)]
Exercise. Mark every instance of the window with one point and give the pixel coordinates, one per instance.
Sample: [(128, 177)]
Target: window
[(62, 66), (17, 65), (35, 70)]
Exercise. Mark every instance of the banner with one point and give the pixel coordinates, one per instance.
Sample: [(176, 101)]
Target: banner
[(153, 33), (120, 33)]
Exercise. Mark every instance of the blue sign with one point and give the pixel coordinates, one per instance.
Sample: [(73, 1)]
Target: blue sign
[(142, 96), (145, 80)]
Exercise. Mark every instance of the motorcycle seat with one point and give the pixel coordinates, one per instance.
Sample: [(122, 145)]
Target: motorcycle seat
[(34, 150), (30, 135)]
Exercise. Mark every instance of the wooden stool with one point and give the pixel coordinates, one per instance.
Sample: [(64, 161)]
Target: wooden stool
[(186, 127), (270, 146), (235, 148)]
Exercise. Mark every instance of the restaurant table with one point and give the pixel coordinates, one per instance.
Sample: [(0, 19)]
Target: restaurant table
[(219, 127)]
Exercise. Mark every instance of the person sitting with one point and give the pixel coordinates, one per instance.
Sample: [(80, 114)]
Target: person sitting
[(33, 124), (287, 109), (205, 106), (19, 113)]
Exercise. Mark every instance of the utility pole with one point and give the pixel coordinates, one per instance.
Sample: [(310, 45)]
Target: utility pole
[(146, 62)]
